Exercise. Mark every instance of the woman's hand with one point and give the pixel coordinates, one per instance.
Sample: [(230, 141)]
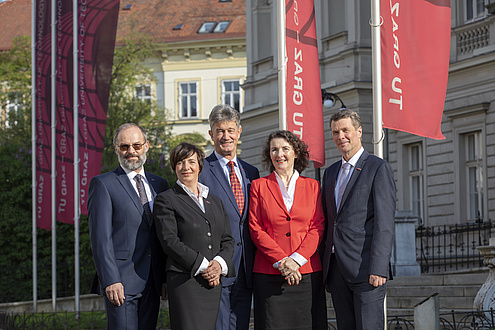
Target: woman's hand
[(288, 266), (294, 278), (212, 273), (290, 270)]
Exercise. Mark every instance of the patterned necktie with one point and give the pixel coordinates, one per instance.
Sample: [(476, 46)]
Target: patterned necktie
[(144, 198), (236, 187), (346, 168)]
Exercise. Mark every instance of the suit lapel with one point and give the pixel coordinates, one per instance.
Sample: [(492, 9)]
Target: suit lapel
[(184, 197), (151, 184), (219, 174), (129, 189), (274, 188), (355, 176)]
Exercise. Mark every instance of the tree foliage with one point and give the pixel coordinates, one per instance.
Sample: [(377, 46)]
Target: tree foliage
[(15, 174)]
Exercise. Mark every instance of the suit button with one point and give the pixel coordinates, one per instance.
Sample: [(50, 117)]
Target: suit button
[(207, 221), (288, 218), (208, 234), (149, 254), (288, 234), (209, 247)]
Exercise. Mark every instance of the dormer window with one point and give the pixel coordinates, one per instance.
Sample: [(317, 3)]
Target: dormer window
[(207, 27)]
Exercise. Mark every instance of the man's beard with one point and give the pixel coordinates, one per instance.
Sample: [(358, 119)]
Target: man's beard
[(132, 166)]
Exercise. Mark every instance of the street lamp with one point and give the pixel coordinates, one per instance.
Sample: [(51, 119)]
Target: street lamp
[(329, 100)]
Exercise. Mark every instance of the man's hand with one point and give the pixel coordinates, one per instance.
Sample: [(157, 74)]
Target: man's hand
[(376, 280), (115, 293), (212, 273)]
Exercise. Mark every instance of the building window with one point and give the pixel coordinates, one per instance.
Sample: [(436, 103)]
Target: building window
[(207, 27), (143, 93), (416, 179), (188, 100), (475, 9), (231, 93), (474, 175), (221, 27)]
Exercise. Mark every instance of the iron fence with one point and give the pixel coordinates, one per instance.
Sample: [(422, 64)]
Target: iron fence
[(472, 320), (450, 248), (65, 320)]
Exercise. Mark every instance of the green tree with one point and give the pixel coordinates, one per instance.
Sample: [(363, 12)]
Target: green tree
[(128, 73), (15, 172)]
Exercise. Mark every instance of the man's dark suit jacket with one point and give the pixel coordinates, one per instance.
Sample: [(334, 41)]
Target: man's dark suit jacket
[(362, 230), (123, 243), (188, 235), (214, 177)]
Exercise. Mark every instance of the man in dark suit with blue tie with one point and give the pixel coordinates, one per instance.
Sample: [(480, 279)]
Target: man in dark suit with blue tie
[(358, 194), (229, 178), (128, 257)]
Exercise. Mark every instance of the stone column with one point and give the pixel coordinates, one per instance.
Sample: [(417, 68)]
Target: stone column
[(485, 298), (404, 250)]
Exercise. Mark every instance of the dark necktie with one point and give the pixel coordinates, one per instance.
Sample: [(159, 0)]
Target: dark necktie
[(346, 168), (144, 198), (236, 187)]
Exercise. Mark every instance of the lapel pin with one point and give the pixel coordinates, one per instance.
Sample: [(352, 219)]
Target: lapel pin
[(207, 202), (358, 168)]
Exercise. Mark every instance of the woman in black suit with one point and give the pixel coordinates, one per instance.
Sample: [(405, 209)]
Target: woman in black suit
[(194, 231)]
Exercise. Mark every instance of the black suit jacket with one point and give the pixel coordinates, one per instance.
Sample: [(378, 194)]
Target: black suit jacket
[(188, 235), (121, 240), (362, 230)]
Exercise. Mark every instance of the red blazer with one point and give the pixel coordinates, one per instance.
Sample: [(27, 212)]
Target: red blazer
[(278, 233)]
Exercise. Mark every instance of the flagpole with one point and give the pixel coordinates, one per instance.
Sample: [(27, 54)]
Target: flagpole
[(378, 135), (76, 157), (53, 155), (282, 67), (377, 78), (33, 153)]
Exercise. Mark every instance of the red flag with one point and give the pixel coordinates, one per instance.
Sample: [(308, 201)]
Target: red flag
[(415, 43), (97, 33), (304, 106), (97, 26), (64, 113), (43, 113)]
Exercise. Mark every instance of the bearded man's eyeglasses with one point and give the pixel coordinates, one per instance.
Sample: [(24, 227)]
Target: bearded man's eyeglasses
[(135, 146)]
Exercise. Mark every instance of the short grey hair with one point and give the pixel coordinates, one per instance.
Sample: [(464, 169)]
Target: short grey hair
[(346, 113), (222, 113), (126, 126)]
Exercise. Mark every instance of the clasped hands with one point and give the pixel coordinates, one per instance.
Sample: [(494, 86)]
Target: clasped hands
[(212, 273), (290, 270)]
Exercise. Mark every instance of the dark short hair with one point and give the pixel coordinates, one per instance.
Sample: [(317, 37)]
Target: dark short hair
[(300, 149), (185, 150), (346, 113), (126, 126), (224, 112)]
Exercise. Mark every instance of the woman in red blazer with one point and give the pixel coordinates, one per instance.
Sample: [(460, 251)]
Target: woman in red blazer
[(286, 223)]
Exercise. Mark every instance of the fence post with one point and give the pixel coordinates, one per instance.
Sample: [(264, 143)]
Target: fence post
[(427, 314), (404, 261)]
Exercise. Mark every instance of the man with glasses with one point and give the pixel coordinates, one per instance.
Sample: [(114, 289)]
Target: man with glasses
[(128, 257)]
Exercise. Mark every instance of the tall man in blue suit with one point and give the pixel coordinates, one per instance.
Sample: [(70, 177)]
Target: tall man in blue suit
[(358, 195), (128, 257), (229, 178)]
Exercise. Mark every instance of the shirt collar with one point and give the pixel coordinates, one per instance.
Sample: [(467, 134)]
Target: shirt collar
[(203, 190), (355, 158), (223, 161), (131, 174), (292, 180)]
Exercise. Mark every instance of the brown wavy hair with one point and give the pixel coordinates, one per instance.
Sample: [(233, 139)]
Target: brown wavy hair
[(300, 149)]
